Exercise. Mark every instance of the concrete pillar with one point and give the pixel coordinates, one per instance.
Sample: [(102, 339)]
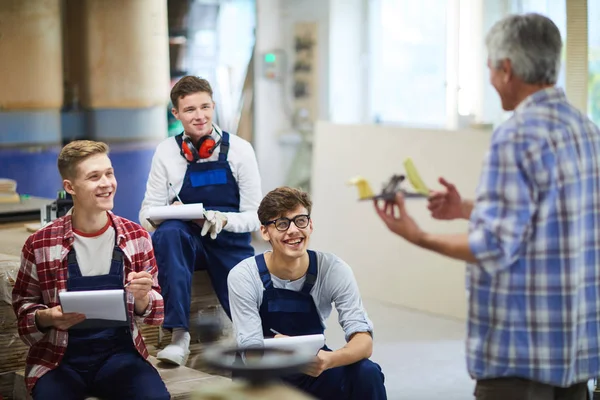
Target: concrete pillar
[(31, 77), (118, 65)]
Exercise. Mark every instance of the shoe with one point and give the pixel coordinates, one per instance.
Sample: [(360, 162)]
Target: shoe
[(174, 354)]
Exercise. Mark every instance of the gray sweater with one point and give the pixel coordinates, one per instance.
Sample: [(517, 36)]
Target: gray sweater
[(335, 285)]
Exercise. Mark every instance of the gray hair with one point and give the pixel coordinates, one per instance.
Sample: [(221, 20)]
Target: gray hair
[(531, 42)]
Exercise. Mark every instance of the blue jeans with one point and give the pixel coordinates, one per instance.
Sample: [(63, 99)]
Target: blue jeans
[(123, 375)]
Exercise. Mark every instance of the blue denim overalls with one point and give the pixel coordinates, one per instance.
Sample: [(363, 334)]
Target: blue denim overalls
[(179, 248), (102, 362), (295, 313)]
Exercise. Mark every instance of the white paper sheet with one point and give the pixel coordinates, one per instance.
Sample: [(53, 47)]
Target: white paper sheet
[(310, 343), (182, 212), (96, 304)]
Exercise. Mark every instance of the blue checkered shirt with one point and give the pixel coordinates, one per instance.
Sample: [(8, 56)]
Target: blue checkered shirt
[(534, 293)]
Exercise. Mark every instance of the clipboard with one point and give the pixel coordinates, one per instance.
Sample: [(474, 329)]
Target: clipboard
[(102, 308), (310, 343), (183, 212)]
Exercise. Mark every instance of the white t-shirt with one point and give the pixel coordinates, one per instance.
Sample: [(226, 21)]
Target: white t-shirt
[(94, 250)]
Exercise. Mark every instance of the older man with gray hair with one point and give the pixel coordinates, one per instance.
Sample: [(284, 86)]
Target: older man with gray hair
[(533, 245)]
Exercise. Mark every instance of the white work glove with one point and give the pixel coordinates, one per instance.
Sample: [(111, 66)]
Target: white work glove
[(214, 221)]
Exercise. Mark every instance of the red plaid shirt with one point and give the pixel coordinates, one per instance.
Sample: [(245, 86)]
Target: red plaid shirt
[(43, 274)]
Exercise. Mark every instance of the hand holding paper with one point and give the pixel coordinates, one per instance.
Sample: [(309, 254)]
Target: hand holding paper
[(96, 304), (54, 317)]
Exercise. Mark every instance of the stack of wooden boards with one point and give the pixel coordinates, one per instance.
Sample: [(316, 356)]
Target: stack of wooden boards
[(12, 349), (8, 191)]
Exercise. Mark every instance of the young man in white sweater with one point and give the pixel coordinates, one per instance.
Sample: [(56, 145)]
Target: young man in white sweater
[(201, 165)]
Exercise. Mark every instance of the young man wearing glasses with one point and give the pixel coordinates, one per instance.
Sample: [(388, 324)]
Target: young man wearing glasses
[(291, 290)]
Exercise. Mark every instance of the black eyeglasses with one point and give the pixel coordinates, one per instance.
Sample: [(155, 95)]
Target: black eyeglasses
[(283, 224)]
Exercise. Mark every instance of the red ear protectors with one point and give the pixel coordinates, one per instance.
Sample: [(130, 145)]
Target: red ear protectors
[(203, 149)]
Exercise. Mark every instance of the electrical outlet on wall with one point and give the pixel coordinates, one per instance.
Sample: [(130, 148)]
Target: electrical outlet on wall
[(274, 63)]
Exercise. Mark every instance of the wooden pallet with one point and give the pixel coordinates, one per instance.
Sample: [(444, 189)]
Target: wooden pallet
[(12, 350)]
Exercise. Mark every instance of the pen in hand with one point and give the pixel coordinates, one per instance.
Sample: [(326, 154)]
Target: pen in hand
[(275, 332), (147, 269), (174, 192)]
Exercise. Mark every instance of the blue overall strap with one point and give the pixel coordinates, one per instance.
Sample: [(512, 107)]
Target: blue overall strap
[(224, 148), (116, 264), (263, 271), (311, 274), (179, 140), (72, 266)]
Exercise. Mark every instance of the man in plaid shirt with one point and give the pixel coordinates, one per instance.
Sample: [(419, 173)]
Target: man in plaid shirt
[(533, 245), (90, 248)]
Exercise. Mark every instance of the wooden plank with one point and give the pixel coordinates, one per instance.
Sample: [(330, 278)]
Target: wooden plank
[(12, 352), (25, 210), (7, 382), (8, 320)]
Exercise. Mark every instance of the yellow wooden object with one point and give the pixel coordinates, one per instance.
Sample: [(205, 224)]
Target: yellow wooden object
[(414, 178), (364, 189)]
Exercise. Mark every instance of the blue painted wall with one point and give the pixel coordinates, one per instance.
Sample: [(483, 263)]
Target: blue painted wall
[(36, 173), (132, 166), (34, 170)]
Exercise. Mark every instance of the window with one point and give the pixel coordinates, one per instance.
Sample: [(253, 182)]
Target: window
[(556, 10), (408, 70), (428, 59)]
